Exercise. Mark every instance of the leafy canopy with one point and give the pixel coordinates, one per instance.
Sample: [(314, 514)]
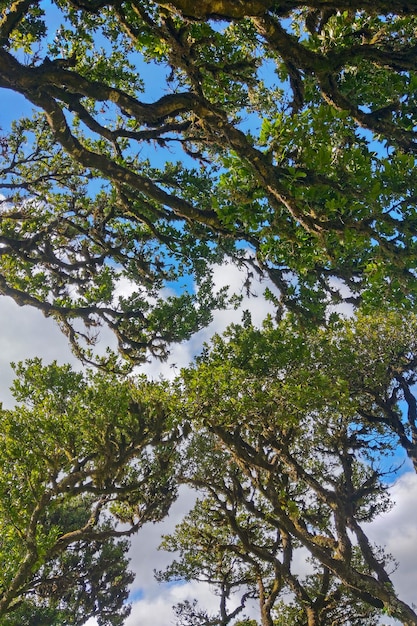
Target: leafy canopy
[(168, 137), (86, 461), (287, 435), (294, 434), (165, 138)]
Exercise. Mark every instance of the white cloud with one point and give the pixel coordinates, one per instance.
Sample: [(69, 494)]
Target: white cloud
[(158, 611), (397, 531), (25, 333), (144, 554)]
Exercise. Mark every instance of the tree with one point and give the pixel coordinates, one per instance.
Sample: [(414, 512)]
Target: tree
[(364, 366), (209, 551), (288, 136), (86, 461), (89, 579), (285, 443), (243, 559)]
